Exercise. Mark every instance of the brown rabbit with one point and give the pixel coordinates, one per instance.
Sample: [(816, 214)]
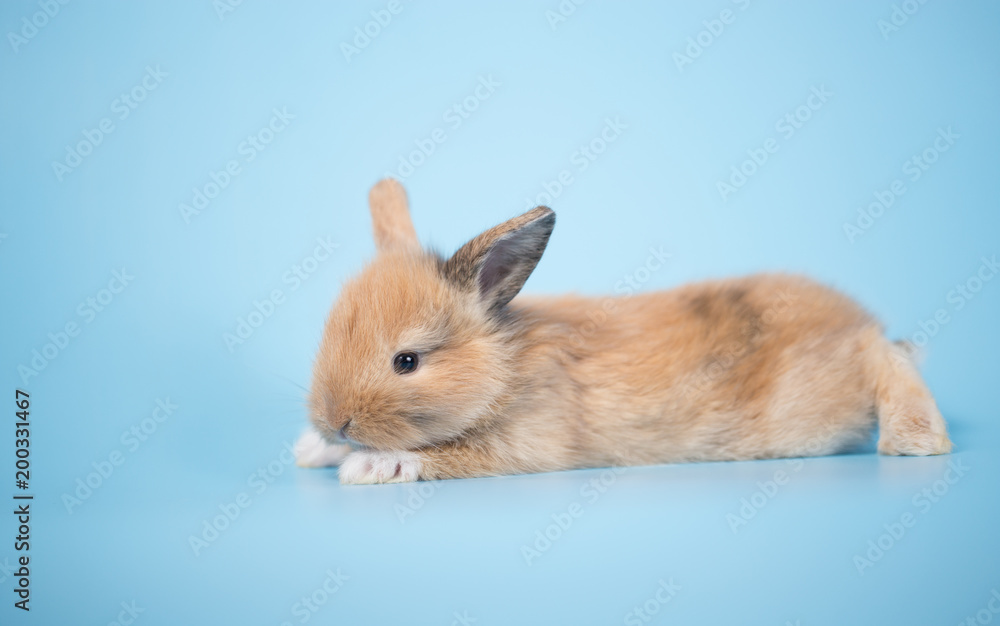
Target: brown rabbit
[(429, 368)]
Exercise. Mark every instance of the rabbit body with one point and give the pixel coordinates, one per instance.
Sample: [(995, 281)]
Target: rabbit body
[(756, 367)]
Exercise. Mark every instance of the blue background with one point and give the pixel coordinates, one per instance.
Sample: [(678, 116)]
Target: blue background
[(356, 114)]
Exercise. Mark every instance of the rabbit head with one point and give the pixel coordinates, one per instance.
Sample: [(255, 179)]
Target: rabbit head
[(417, 349)]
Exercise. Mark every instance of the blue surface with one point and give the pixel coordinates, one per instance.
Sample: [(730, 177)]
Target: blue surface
[(664, 538)]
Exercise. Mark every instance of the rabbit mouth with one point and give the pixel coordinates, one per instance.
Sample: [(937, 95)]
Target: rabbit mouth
[(334, 436), (343, 437), (342, 434)]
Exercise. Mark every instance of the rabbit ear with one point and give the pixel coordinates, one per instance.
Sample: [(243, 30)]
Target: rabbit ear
[(391, 217), (499, 261)]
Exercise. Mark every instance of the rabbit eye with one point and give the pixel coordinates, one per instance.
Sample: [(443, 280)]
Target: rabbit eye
[(405, 362)]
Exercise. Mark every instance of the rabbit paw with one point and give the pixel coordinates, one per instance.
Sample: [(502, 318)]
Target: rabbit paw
[(368, 467), (311, 450)]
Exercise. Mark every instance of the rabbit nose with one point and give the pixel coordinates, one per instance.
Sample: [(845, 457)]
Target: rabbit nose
[(342, 433)]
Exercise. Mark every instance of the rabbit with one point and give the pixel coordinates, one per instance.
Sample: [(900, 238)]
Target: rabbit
[(430, 368)]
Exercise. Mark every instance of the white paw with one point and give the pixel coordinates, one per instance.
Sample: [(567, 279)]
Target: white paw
[(311, 450), (367, 467)]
